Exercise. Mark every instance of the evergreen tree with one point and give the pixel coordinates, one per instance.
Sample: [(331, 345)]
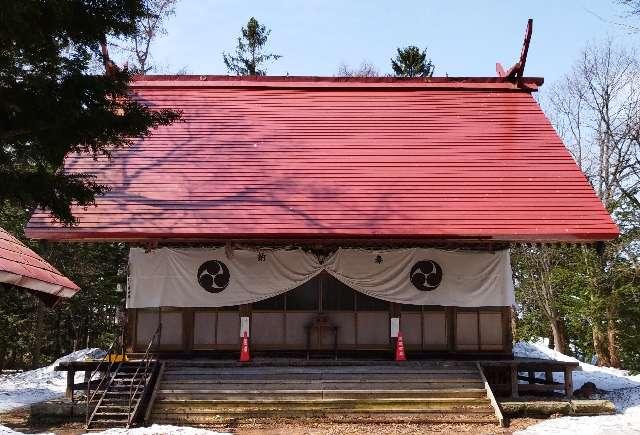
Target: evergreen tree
[(249, 56), (411, 62), (32, 334), (53, 103)]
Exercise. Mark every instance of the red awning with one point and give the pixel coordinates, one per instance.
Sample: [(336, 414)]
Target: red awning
[(22, 267), (332, 158)]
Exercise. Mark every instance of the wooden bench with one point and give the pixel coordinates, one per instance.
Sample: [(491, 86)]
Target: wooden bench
[(71, 367), (505, 376)]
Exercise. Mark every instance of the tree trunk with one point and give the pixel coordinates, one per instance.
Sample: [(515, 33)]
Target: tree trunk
[(612, 335), (38, 335), (559, 336), (600, 345), (3, 357)]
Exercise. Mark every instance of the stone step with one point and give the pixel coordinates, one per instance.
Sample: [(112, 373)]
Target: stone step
[(357, 418), (284, 363), (303, 394), (208, 393), (305, 370), (295, 384), (338, 377), (337, 404)]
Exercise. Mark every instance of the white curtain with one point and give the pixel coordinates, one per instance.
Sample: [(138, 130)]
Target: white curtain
[(201, 277), (464, 279)]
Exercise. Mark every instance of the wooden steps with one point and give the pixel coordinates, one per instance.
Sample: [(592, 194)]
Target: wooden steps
[(201, 393), (115, 401)]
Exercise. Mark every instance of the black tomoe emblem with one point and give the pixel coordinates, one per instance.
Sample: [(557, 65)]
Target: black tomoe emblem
[(426, 275), (213, 276)]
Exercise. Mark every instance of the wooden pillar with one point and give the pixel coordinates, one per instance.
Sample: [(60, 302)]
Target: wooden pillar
[(187, 329), (451, 328), (71, 376), (548, 376), (532, 377), (130, 339), (514, 380), (507, 332), (568, 382)]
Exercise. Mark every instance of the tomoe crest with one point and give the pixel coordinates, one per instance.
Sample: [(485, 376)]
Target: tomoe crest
[(213, 276), (426, 275)]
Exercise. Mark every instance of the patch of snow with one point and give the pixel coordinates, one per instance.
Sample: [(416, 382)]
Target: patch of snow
[(39, 385), (619, 424), (622, 389), (605, 378), (155, 429), (4, 430), (525, 349)]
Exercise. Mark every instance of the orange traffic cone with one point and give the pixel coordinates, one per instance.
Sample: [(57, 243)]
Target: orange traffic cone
[(244, 349), (400, 356)]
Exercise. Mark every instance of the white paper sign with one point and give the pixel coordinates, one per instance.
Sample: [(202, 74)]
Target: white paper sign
[(244, 326), (395, 326)]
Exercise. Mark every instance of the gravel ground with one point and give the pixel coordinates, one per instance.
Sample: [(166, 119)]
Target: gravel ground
[(18, 420), (292, 427)]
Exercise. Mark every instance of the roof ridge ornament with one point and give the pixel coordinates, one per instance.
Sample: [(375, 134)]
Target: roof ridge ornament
[(516, 72)]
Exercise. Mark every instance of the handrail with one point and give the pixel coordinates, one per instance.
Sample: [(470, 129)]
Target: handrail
[(147, 363), (154, 392), (494, 403), (106, 357)]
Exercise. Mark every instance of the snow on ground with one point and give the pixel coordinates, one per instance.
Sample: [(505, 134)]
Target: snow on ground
[(622, 389), (4, 430), (605, 378), (38, 385), (151, 430)]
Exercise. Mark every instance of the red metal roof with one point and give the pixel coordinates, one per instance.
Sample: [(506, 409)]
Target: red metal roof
[(309, 157), (22, 267)]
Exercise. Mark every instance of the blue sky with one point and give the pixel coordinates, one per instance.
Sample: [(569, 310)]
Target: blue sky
[(463, 38)]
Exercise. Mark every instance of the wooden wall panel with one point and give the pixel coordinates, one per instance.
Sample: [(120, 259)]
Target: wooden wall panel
[(373, 328), (484, 329), (296, 334), (228, 328), (411, 328), (171, 334), (146, 325), (491, 333), (435, 330), (467, 330), (204, 329), (267, 329)]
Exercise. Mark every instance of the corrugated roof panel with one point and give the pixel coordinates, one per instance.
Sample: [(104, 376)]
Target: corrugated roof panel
[(22, 267), (340, 161)]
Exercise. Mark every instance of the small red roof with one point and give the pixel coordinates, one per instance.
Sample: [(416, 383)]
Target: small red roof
[(334, 158), (22, 267)]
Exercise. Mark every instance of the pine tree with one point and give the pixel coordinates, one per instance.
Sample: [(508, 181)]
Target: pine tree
[(411, 62), (249, 56), (54, 102)]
